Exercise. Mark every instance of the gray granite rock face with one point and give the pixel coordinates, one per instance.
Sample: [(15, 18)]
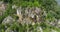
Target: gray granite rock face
[(2, 8), (8, 20), (10, 30), (33, 13)]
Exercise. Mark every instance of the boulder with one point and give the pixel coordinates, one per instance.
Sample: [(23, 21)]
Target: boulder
[(8, 20), (9, 30)]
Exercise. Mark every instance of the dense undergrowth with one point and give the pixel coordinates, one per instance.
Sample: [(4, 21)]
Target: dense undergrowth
[(50, 6)]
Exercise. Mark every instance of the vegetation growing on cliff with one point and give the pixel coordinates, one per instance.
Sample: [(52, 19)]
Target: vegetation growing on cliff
[(49, 15)]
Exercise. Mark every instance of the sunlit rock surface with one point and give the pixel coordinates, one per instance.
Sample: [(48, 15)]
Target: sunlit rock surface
[(8, 20), (2, 8), (9, 30), (33, 13)]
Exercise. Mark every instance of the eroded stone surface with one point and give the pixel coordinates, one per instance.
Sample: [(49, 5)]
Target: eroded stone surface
[(2, 8), (8, 20), (33, 13)]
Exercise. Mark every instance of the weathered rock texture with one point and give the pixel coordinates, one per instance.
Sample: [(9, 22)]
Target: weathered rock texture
[(8, 20), (2, 8), (30, 14)]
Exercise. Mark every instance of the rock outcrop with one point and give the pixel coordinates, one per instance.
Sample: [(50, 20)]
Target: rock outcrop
[(2, 8), (33, 13), (8, 20)]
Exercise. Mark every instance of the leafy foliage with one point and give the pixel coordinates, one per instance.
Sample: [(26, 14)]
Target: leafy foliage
[(46, 5)]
